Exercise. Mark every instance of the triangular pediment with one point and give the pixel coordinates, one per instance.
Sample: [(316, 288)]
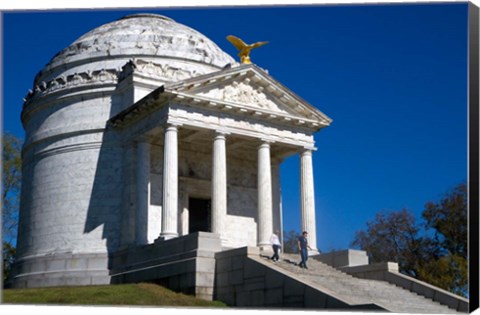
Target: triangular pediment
[(252, 89)]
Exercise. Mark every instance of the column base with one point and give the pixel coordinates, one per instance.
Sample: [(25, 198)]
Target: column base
[(313, 252)]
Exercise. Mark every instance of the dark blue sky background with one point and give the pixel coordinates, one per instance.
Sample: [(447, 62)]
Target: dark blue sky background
[(392, 77)]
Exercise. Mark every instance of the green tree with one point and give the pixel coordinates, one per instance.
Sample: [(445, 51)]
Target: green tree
[(392, 236), (447, 266), (8, 253), (11, 184), (433, 250), (449, 219), (449, 272)]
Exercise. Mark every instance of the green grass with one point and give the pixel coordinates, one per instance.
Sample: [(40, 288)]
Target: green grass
[(142, 294)]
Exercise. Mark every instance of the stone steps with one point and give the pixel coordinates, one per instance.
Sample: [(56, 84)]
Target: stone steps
[(361, 291)]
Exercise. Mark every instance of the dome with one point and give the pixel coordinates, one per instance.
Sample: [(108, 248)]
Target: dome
[(147, 36)]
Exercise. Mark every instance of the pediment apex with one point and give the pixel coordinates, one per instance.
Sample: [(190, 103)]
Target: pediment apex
[(253, 88)]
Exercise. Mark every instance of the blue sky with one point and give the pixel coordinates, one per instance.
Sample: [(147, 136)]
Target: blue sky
[(392, 77)]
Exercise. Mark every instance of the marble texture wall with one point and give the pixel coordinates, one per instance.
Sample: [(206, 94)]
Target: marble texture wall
[(70, 201), (65, 207)]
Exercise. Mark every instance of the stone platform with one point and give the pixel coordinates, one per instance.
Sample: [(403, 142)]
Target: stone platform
[(184, 264), (60, 269)]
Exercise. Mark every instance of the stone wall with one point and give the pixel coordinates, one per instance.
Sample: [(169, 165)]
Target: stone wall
[(184, 264)]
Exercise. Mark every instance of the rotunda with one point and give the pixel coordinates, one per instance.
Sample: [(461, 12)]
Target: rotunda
[(64, 118)]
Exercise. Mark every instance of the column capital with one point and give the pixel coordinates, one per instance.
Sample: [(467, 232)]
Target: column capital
[(265, 143), (306, 151), (308, 148), (220, 133), (172, 126)]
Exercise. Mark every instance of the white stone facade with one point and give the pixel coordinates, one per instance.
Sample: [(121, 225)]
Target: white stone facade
[(143, 130)]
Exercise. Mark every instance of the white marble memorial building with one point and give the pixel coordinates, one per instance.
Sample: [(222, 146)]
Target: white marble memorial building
[(144, 130), (153, 156)]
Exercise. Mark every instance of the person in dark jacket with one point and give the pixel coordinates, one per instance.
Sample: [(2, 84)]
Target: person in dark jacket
[(303, 247)]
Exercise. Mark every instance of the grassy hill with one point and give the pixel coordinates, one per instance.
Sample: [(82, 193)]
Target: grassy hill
[(142, 294)]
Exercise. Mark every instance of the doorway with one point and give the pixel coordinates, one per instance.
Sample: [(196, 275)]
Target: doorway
[(199, 215)]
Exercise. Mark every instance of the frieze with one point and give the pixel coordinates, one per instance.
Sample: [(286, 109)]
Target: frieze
[(109, 76), (155, 70), (103, 76)]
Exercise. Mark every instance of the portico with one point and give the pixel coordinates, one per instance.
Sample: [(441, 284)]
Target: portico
[(219, 138)]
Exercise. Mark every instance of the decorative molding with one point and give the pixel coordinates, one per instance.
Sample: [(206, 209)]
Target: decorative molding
[(243, 93), (88, 78), (155, 70), (110, 76)]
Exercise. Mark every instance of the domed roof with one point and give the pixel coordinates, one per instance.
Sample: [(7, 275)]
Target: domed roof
[(150, 36)]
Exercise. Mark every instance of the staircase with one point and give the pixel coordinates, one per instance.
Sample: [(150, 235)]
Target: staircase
[(360, 291)]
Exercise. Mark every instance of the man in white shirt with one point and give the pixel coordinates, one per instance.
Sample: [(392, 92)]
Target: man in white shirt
[(275, 241)]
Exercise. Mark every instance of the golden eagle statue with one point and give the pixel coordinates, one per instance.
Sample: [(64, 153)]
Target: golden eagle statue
[(244, 49)]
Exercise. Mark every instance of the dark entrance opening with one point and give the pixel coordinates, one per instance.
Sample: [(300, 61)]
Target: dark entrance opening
[(199, 214)]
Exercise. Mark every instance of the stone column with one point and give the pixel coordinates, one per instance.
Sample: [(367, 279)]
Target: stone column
[(219, 184), (170, 183), (307, 197), (142, 193), (265, 222)]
